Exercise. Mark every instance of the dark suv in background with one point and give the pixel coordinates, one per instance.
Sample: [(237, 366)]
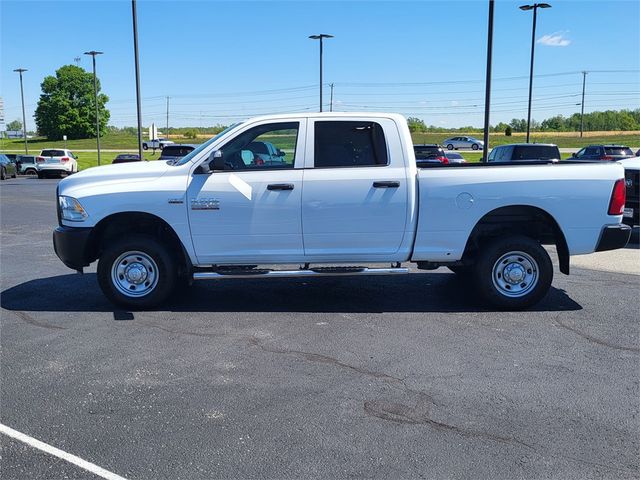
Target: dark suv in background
[(429, 154), (176, 152), (525, 152), (603, 152)]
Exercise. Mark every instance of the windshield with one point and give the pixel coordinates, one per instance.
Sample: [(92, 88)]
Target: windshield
[(202, 147)]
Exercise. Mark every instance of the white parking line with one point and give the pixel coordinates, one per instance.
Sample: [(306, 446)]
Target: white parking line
[(101, 472)]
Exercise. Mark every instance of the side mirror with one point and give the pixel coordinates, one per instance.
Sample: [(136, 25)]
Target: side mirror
[(573, 155), (216, 162), (281, 153)]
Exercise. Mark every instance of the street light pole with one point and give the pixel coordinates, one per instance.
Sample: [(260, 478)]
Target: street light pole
[(24, 117), (487, 96), (93, 54), (584, 81), (137, 67), (533, 7), (320, 37)]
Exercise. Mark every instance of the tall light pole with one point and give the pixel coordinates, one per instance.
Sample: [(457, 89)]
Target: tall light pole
[(93, 54), (487, 95), (320, 37), (24, 117), (137, 65), (535, 8), (584, 81)]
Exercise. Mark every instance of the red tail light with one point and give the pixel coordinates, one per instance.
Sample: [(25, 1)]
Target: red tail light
[(64, 159), (618, 197), (39, 159), (442, 159), (607, 157)]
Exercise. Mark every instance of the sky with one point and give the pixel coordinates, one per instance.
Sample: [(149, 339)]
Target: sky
[(220, 62)]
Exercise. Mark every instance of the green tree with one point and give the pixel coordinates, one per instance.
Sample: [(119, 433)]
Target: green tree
[(507, 131), (190, 133), (67, 106), (14, 126), (416, 125)]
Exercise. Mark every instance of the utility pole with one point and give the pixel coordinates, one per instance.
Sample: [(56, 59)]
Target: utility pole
[(137, 66), (584, 81), (487, 96), (167, 133), (331, 105), (24, 117), (93, 54)]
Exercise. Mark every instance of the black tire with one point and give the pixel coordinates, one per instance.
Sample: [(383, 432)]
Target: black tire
[(450, 147), (474, 147), (15, 175), (3, 174), (165, 274), (30, 171), (524, 256)]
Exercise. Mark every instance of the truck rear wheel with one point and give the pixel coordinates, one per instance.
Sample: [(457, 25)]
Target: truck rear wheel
[(513, 273), (137, 272)]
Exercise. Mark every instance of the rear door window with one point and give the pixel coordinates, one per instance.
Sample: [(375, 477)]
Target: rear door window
[(535, 152), (349, 144), (618, 151), (427, 152)]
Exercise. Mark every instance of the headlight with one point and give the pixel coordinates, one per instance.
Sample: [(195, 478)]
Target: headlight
[(70, 209)]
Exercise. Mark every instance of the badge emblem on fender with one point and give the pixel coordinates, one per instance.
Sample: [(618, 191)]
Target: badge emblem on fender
[(205, 204)]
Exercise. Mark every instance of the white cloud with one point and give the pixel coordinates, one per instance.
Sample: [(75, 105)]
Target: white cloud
[(554, 40)]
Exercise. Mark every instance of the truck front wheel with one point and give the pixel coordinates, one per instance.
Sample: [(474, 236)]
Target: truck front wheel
[(137, 272), (513, 273)]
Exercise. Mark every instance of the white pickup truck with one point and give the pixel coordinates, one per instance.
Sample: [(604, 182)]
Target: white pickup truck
[(156, 143), (346, 194)]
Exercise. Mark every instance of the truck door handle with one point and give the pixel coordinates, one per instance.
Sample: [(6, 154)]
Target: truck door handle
[(280, 186), (386, 184)]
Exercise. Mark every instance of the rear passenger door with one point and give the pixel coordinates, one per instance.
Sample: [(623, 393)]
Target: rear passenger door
[(354, 199)]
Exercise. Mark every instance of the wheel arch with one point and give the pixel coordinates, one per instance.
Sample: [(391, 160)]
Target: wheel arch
[(110, 227), (526, 220)]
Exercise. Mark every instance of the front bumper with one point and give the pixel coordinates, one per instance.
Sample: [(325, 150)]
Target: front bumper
[(70, 244), (613, 236)]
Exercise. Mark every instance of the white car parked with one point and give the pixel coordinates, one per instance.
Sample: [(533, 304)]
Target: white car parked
[(454, 143), (56, 161)]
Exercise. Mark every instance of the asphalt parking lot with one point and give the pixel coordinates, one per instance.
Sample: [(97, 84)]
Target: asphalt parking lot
[(384, 377)]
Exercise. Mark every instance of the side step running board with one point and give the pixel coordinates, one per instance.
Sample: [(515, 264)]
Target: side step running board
[(320, 272)]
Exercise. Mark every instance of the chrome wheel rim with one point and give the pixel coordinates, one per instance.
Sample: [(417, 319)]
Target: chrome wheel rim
[(134, 274), (515, 274)]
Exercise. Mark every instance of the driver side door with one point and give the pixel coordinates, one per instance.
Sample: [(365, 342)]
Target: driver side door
[(249, 211)]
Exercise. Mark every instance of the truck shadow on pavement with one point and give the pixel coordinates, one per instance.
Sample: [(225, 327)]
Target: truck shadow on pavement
[(414, 292)]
